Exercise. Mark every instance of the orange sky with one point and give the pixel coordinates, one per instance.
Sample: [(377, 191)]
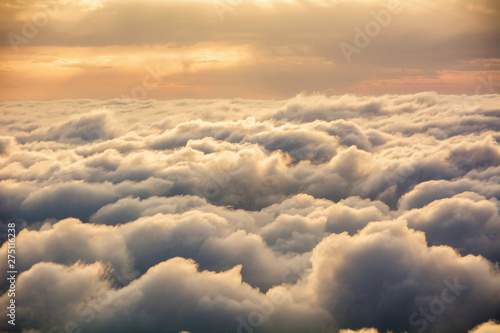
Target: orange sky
[(166, 49)]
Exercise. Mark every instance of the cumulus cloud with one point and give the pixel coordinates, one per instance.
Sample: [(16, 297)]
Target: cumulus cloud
[(488, 327), (88, 302), (94, 126), (311, 214), (49, 293), (360, 278), (467, 222)]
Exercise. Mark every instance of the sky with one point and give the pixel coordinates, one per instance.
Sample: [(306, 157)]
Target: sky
[(165, 49), (260, 166), (312, 214)]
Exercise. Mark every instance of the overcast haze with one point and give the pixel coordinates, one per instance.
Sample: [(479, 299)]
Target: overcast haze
[(251, 166), (252, 49)]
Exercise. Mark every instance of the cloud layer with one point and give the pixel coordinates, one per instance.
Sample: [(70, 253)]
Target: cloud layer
[(211, 49), (309, 214)]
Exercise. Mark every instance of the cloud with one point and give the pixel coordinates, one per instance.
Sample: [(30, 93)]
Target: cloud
[(221, 299), (427, 192), (49, 295), (360, 278), (129, 209), (385, 263), (95, 126), (69, 242), (364, 330), (466, 222), (359, 211), (489, 327), (211, 239)]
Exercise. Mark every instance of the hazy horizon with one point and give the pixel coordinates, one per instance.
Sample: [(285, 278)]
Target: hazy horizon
[(258, 49)]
